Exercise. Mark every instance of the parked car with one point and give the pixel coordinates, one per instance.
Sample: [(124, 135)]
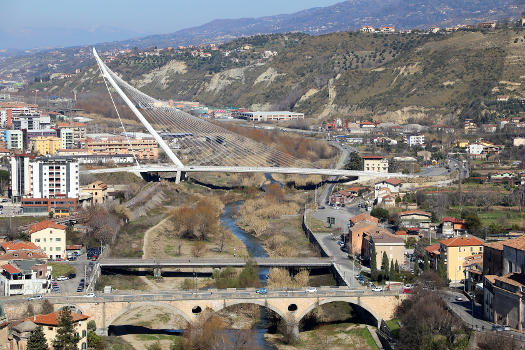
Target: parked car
[(408, 290), (72, 275), (261, 291), (62, 278), (310, 290), (377, 289), (35, 297)]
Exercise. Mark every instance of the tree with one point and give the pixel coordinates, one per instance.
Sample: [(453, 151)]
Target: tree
[(373, 264), (66, 337), (416, 268), (396, 268), (249, 276), (380, 213), (46, 307), (354, 162), (95, 341), (426, 264), (37, 340), (472, 222), (198, 249), (442, 270), (384, 264)]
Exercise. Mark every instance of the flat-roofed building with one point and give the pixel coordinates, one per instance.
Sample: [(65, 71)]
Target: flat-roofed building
[(375, 164), (46, 145), (261, 116), (143, 149)]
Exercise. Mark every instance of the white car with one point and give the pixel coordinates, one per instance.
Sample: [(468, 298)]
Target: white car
[(459, 298), (377, 289), (35, 297), (62, 278), (310, 290), (89, 295)]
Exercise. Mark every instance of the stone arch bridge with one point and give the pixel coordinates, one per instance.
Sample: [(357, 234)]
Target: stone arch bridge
[(291, 306)]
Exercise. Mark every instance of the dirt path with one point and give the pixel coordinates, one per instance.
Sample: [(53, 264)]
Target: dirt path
[(147, 245)]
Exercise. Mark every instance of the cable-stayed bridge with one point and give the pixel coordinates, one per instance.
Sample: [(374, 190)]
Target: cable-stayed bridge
[(194, 144)]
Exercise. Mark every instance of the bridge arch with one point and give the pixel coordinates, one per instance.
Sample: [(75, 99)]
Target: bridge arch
[(352, 301), (162, 305), (259, 302), (72, 307)]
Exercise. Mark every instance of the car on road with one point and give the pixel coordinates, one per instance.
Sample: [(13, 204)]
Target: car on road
[(310, 290), (459, 298), (89, 295), (322, 207), (407, 290), (261, 291), (62, 278), (498, 328), (377, 289), (35, 297)]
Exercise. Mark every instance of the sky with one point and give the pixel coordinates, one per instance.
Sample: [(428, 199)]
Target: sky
[(50, 23)]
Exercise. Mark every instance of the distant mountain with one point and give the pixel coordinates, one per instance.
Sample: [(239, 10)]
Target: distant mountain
[(343, 16)]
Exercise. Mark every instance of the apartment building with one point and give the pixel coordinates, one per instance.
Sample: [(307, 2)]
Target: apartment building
[(78, 129), (14, 139), (68, 138), (25, 277), (98, 191), (45, 184), (415, 140), (455, 251), (376, 164), (143, 149), (46, 145)]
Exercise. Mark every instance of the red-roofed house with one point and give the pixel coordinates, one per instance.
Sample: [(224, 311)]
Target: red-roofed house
[(51, 237), (25, 277), (451, 227), (49, 324), (392, 185), (432, 252)]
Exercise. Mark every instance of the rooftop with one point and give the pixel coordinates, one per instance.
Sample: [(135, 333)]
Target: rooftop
[(19, 245), (415, 212), (39, 226), (462, 241), (52, 318), (363, 217), (516, 243)]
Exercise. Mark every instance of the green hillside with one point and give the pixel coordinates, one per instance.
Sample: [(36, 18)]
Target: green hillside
[(394, 77)]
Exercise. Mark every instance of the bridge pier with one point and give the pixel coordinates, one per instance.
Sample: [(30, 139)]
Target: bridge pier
[(178, 177), (157, 272)]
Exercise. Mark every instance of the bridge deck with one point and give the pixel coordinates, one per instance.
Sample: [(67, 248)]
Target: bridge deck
[(214, 262), (229, 169)]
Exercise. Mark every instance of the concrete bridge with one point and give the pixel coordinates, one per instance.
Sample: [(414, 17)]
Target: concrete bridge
[(214, 262), (290, 305)]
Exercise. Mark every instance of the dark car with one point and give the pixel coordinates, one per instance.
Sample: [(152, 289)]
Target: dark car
[(72, 275)]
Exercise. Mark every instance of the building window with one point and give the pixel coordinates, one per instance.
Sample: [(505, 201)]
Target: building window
[(83, 333), (84, 346), (58, 239), (37, 240)]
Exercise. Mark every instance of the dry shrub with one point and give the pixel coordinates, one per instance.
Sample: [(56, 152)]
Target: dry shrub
[(280, 278), (275, 241), (286, 251)]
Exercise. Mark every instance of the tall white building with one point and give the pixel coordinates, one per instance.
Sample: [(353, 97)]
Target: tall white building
[(14, 139), (45, 184), (414, 140), (67, 138)]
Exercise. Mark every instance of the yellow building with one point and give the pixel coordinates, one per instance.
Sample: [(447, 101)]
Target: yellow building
[(44, 145), (376, 164), (455, 250), (50, 237), (462, 143), (98, 190), (49, 324)]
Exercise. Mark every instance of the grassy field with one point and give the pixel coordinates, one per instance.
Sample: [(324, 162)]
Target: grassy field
[(393, 325), (121, 282), (61, 269), (497, 215), (129, 239)]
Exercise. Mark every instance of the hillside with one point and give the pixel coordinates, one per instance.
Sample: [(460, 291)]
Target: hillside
[(395, 76), (344, 16)]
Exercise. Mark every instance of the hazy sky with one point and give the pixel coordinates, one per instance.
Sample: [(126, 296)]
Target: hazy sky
[(44, 23)]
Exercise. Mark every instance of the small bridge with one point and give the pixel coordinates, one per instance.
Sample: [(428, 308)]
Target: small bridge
[(290, 305)]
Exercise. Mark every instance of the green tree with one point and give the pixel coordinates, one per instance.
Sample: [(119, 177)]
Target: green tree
[(384, 264), (66, 338), (373, 264), (354, 162), (416, 268), (95, 341), (472, 222), (92, 325), (380, 213), (442, 270), (396, 268), (426, 264), (37, 340), (249, 276)]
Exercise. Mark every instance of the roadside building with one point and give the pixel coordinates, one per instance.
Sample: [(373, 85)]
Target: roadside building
[(455, 250), (392, 185), (143, 149), (50, 237), (382, 241), (354, 220), (25, 277), (49, 324), (98, 190), (375, 164), (356, 234)]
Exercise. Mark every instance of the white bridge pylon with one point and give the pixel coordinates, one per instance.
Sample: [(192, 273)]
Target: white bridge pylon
[(206, 146)]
